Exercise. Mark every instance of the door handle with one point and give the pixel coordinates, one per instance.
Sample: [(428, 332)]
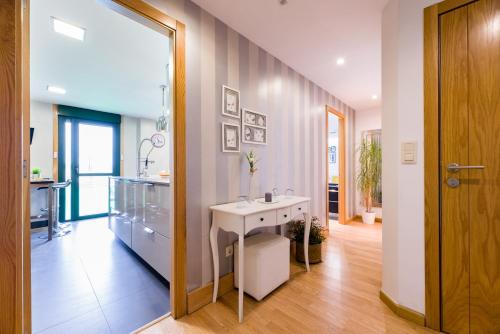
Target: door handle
[(454, 167)]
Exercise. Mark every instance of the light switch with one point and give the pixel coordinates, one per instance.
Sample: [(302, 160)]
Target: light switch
[(409, 153)]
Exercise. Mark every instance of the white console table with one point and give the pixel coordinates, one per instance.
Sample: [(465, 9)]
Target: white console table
[(241, 219)]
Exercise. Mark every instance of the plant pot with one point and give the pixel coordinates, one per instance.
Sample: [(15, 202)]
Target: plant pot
[(368, 217), (314, 253)]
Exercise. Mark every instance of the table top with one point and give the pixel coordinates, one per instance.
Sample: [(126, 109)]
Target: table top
[(237, 208), (41, 181)]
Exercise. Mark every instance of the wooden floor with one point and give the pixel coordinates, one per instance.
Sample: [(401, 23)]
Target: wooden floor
[(340, 295)]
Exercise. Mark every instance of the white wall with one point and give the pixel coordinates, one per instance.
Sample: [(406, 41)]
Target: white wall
[(133, 131), (403, 276), (41, 148), (364, 120)]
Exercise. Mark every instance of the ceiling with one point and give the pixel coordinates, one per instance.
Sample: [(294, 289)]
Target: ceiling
[(310, 35), (117, 68)]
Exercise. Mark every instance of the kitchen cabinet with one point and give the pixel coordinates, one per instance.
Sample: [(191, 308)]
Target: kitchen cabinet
[(140, 215)]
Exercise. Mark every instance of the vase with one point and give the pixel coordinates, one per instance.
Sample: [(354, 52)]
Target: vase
[(252, 187), (314, 253)]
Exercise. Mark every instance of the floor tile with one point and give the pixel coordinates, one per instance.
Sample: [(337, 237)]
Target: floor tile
[(134, 311), (92, 322), (77, 276)]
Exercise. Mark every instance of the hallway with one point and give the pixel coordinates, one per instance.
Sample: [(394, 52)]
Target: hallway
[(341, 295)]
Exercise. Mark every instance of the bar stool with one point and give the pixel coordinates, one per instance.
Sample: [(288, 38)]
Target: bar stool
[(55, 229)]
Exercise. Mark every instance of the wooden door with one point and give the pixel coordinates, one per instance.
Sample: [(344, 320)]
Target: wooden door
[(470, 194)]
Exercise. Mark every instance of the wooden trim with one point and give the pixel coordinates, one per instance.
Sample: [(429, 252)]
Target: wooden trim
[(402, 311), (55, 143), (13, 148), (203, 296), (145, 10), (431, 169), (179, 278), (342, 163), (178, 291), (26, 191), (448, 5)]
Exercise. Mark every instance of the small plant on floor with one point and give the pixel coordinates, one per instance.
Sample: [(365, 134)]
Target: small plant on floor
[(316, 238), (297, 229)]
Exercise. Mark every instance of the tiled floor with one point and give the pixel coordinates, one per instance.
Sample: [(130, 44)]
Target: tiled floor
[(88, 282)]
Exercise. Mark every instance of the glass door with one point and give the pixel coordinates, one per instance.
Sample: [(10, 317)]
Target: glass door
[(90, 155)]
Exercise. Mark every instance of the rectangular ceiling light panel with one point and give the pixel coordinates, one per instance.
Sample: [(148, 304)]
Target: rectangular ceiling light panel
[(67, 29)]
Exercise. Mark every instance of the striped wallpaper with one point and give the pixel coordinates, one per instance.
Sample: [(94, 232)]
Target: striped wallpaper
[(295, 156)]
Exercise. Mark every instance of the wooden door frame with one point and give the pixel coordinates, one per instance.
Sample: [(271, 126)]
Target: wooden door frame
[(342, 212), (431, 160), (15, 266)]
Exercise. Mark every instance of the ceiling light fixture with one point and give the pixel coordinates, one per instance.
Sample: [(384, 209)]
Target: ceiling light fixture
[(67, 29), (56, 90), (340, 61), (374, 97)]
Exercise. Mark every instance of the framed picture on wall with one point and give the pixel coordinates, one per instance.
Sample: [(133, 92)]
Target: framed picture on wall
[(254, 135), (230, 137), (254, 118), (230, 102)]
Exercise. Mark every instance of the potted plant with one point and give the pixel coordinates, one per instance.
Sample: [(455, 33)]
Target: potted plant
[(252, 168), (369, 175), (316, 238), (35, 172)]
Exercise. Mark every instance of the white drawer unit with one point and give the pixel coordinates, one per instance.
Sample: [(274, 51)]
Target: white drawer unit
[(153, 247), (283, 216), (122, 228), (157, 208), (299, 209), (139, 214), (266, 218)]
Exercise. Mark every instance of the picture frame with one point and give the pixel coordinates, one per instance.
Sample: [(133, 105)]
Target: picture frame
[(253, 127), (254, 118), (231, 102), (254, 135), (230, 137)]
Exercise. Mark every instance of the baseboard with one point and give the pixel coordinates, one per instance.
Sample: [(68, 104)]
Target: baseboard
[(200, 297), (358, 218), (403, 311)]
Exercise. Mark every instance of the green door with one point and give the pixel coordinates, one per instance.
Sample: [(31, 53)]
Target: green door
[(89, 153)]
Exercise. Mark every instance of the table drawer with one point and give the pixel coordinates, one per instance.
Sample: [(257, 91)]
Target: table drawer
[(153, 247), (299, 209), (283, 216), (267, 218)]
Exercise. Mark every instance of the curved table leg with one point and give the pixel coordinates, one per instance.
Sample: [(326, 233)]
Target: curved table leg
[(241, 275), (307, 219), (215, 256)]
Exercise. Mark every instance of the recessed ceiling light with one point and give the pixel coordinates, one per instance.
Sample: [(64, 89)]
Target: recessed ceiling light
[(67, 29), (56, 90), (374, 97), (340, 61), (283, 2)]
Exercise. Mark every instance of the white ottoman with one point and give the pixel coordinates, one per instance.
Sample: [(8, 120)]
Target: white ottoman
[(267, 263)]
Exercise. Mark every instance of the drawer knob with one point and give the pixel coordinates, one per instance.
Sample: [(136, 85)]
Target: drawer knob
[(285, 216), (262, 219), (300, 209)]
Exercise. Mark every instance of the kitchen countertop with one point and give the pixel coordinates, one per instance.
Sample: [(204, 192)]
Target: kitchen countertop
[(155, 179)]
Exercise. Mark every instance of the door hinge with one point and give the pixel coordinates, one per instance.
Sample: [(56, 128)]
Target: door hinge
[(25, 168)]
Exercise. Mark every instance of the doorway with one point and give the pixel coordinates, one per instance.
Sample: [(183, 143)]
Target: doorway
[(89, 153), (462, 117), (15, 275), (335, 166)]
